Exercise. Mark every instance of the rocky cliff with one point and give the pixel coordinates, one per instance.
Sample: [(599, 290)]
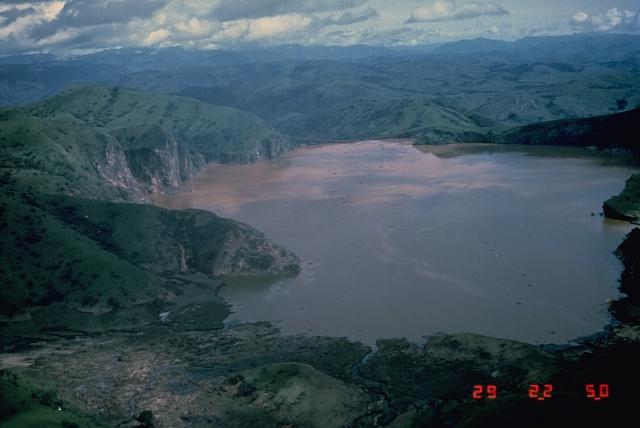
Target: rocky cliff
[(626, 205), (119, 144)]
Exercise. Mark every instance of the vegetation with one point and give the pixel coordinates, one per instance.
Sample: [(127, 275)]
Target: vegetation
[(626, 205), (446, 94), (74, 256), (23, 405)]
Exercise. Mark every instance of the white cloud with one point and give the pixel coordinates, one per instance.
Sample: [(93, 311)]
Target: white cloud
[(231, 31), (231, 10), (350, 17), (194, 27), (612, 20), (156, 37), (580, 17), (262, 28), (449, 10)]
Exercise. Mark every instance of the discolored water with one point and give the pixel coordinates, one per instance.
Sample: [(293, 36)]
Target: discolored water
[(399, 241)]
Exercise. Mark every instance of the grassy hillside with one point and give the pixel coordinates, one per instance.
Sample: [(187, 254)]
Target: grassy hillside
[(83, 264), (122, 144), (217, 133), (383, 118), (76, 257), (60, 156)]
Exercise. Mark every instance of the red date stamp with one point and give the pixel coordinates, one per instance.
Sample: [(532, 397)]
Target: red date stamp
[(489, 392), (541, 392), (597, 392)]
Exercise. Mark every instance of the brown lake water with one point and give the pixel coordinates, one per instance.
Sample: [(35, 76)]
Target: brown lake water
[(405, 241)]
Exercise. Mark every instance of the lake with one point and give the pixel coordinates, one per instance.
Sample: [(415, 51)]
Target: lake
[(409, 241)]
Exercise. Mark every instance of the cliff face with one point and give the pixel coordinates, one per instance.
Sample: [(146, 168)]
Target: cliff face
[(626, 205), (158, 162), (246, 251)]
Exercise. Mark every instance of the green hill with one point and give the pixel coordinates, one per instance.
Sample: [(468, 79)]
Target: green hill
[(88, 256), (75, 257), (120, 144), (217, 133), (384, 118)]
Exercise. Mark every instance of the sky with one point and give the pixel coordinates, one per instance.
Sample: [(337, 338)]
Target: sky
[(76, 26)]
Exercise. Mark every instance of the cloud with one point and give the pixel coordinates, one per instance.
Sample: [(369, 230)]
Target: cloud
[(75, 24), (194, 27), (269, 27), (20, 19), (449, 10), (230, 10), (262, 29), (612, 20), (388, 37), (11, 15), (156, 37), (86, 13), (350, 17), (580, 17), (550, 29)]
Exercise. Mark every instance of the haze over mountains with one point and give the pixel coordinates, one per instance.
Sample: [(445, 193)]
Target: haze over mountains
[(316, 92)]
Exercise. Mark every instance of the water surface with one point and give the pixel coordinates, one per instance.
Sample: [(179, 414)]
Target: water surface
[(399, 241)]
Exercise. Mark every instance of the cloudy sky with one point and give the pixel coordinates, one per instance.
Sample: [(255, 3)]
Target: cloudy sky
[(65, 26)]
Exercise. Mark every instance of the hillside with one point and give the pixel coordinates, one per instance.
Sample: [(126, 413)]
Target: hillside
[(384, 118), (68, 258), (216, 133), (613, 131), (75, 257), (119, 144)]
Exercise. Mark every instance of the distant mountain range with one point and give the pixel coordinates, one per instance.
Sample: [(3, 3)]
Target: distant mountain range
[(330, 92)]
